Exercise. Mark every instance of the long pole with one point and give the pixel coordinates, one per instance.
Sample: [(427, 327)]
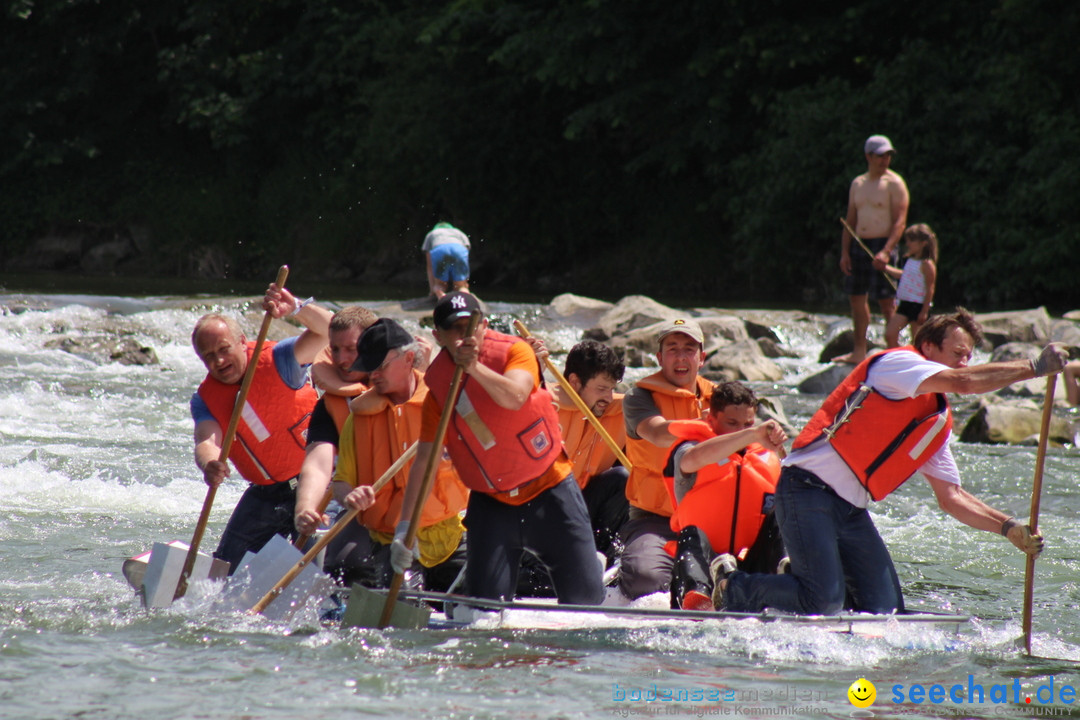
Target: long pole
[(429, 475), (341, 523), (1036, 496), (576, 399), (868, 252), (226, 445)]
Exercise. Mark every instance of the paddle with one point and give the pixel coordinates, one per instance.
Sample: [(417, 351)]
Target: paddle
[(341, 523), (226, 445), (868, 252), (593, 420), (1036, 495), (429, 475)]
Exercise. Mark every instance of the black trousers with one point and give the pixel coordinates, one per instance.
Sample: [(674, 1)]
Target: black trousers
[(554, 526)]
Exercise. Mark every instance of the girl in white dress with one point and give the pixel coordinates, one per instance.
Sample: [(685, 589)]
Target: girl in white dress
[(915, 293)]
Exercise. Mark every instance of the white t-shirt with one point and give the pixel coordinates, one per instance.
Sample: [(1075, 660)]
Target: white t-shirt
[(897, 376)]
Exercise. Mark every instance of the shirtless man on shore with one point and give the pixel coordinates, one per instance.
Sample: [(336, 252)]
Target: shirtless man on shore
[(877, 209)]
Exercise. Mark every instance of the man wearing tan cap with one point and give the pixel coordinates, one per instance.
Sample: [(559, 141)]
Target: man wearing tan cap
[(877, 210), (674, 393)]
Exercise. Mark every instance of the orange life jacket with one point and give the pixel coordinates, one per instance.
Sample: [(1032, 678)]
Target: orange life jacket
[(336, 392), (270, 439), (382, 432), (883, 441), (493, 448), (584, 446), (645, 488), (729, 499)]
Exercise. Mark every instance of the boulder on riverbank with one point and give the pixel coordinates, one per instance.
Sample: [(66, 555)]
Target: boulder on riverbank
[(998, 420)]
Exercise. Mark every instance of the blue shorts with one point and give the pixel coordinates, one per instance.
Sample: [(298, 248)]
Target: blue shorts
[(450, 262)]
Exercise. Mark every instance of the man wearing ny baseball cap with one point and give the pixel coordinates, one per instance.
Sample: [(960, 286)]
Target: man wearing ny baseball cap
[(384, 421), (676, 392), (504, 441), (877, 210)]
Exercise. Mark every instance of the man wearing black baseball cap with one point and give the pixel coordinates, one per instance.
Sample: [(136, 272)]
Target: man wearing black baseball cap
[(383, 423), (505, 443)]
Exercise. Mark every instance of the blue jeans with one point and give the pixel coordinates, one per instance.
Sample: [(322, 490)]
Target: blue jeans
[(838, 560)]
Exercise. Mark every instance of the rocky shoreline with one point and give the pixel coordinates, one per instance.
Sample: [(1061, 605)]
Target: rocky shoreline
[(741, 345)]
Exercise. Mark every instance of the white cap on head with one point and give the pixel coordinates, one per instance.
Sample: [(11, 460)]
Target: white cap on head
[(878, 145)]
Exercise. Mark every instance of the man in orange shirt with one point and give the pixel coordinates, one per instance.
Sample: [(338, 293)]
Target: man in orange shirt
[(504, 442), (592, 371)]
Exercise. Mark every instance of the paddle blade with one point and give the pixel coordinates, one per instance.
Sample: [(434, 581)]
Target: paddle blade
[(365, 609)]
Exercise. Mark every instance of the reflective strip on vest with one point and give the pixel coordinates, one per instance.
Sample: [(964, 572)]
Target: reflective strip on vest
[(933, 432), (472, 418), (251, 419)]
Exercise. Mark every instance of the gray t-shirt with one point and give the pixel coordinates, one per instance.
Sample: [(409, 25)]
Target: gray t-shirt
[(444, 236), (638, 405)]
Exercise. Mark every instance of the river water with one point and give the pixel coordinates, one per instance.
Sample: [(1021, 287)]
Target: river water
[(96, 463)]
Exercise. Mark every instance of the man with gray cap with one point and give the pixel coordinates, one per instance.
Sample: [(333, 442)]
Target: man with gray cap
[(676, 392), (384, 421), (504, 440), (877, 210)]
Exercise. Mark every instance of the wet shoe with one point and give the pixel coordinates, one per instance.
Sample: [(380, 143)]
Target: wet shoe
[(695, 600), (722, 566), (719, 569), (784, 566), (718, 595)]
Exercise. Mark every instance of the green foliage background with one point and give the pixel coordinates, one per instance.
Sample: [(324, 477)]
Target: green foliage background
[(695, 149)]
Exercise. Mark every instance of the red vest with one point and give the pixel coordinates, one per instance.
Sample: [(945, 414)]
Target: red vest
[(729, 499), (495, 449), (883, 441), (272, 434)]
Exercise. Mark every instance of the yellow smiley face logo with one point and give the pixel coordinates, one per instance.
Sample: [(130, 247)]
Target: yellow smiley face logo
[(862, 693)]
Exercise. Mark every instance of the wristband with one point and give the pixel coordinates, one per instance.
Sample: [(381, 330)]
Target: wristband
[(303, 304), (1008, 525)]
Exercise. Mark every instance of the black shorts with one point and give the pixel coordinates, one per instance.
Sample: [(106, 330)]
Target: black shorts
[(909, 309), (864, 279)]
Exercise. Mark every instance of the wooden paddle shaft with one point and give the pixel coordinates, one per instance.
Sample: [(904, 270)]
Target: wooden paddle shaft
[(341, 523), (1036, 496), (226, 444), (429, 474), (576, 399), (868, 251)]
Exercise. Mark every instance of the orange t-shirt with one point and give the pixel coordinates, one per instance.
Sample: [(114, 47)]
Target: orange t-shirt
[(521, 357)]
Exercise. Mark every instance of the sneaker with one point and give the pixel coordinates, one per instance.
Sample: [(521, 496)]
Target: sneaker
[(784, 566), (695, 600), (722, 566), (718, 595), (719, 569)]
